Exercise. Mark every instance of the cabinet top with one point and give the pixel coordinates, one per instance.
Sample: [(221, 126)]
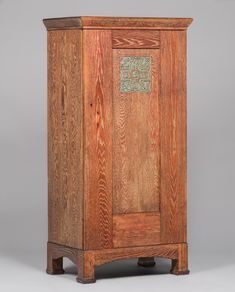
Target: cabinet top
[(99, 22)]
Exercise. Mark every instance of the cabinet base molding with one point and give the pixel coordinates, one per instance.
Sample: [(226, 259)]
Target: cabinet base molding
[(86, 260)]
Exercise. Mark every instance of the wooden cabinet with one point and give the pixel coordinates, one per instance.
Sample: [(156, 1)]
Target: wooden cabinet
[(116, 141)]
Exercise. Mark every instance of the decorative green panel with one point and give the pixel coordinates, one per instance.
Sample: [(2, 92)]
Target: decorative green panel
[(135, 74)]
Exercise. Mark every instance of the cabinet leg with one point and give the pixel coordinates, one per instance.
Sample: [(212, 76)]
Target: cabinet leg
[(146, 262), (180, 265), (86, 268), (54, 265)]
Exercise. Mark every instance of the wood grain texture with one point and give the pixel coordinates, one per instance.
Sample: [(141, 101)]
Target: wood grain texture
[(62, 23), (58, 251), (83, 261), (86, 261), (97, 76), (116, 150), (65, 162), (54, 261), (173, 136), (135, 39), (137, 229), (86, 268), (136, 141), (105, 256), (100, 22), (180, 265)]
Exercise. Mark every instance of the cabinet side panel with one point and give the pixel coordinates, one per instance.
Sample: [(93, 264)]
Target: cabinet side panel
[(65, 163), (173, 136), (97, 84)]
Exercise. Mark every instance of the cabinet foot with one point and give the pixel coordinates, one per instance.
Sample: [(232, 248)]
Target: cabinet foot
[(85, 281), (146, 262), (86, 268), (54, 264), (54, 271), (180, 265)]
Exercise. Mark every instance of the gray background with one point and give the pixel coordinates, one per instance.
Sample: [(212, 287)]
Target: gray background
[(23, 108)]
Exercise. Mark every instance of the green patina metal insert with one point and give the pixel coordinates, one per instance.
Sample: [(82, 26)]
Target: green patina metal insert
[(135, 74)]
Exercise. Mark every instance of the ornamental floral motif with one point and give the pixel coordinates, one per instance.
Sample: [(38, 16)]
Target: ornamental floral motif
[(135, 75)]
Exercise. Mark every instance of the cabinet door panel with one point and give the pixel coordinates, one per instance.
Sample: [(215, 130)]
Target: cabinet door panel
[(136, 138)]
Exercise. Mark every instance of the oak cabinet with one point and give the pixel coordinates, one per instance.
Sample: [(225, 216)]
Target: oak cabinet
[(116, 141)]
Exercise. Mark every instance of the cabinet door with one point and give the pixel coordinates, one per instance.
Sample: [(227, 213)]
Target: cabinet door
[(134, 126)]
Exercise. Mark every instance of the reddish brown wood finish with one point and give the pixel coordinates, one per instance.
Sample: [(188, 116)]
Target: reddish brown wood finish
[(65, 150), (136, 140), (137, 229), (54, 261), (86, 261), (135, 39), (173, 136), (100, 22), (180, 265), (116, 159), (97, 74)]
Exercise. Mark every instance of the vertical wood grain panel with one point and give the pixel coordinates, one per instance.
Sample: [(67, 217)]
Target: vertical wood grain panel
[(65, 166), (136, 141), (173, 136), (98, 138)]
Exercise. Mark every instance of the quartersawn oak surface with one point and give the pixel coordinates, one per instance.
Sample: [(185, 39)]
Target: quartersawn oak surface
[(116, 157), (136, 141), (173, 136), (97, 74), (137, 229), (135, 39), (104, 256), (65, 135), (87, 260), (116, 162)]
